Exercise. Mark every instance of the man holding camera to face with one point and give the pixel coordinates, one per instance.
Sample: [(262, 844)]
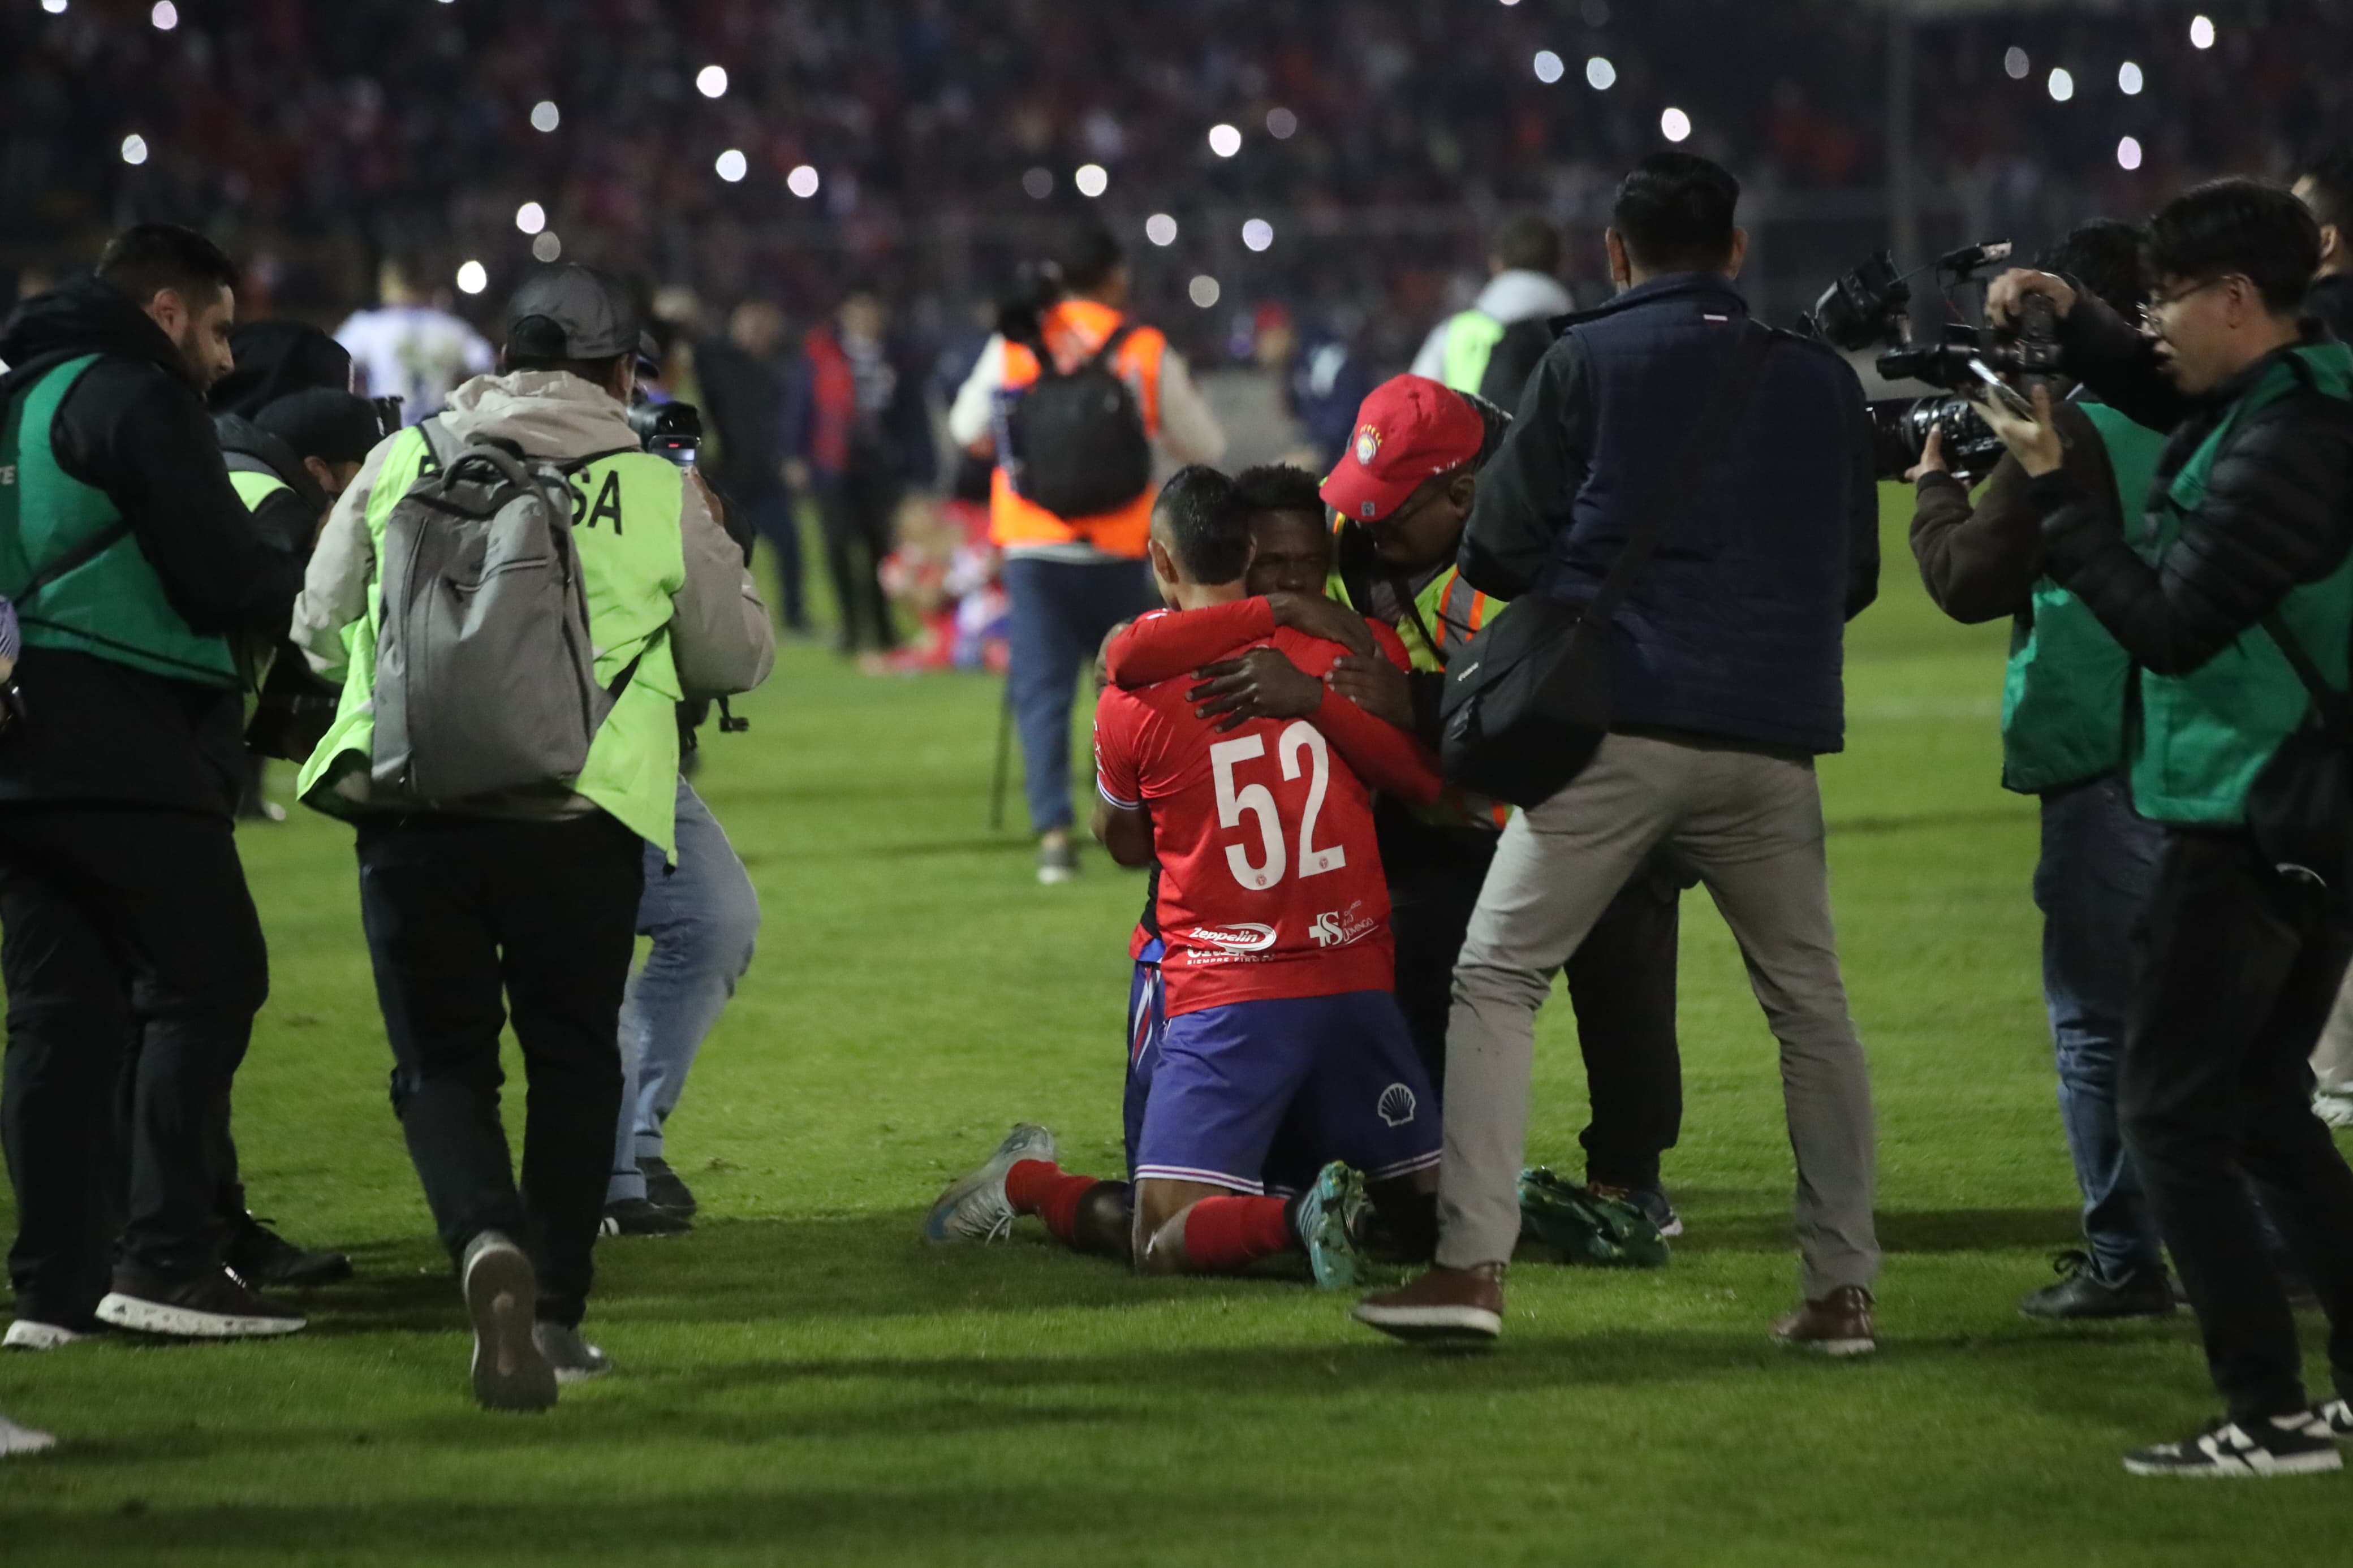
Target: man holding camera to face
[(2233, 596)]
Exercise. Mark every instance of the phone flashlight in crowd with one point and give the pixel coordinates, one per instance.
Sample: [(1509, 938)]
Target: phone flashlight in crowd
[(672, 430)]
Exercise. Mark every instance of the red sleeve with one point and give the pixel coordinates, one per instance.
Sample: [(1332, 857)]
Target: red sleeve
[(1164, 645), (1118, 778), (1391, 644), (1379, 752)]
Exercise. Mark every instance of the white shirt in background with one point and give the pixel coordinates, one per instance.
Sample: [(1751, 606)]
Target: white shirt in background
[(414, 353)]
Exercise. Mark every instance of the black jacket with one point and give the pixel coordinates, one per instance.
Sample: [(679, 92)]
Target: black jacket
[(2330, 300), (2278, 511), (1734, 629), (135, 425)]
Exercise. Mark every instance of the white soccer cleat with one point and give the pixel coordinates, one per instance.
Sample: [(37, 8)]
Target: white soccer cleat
[(15, 1439), (975, 1208)]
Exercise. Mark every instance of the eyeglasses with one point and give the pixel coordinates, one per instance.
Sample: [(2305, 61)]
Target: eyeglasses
[(2159, 303)]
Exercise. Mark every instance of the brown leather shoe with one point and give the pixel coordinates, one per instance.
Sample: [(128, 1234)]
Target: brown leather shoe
[(1460, 1306), (1839, 1324)]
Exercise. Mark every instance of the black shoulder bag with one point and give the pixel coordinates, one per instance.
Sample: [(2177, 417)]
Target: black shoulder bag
[(2300, 808), (1526, 702)]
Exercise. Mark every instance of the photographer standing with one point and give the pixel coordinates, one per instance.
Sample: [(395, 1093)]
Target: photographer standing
[(2239, 568), (131, 563), (2063, 734), (1725, 664)]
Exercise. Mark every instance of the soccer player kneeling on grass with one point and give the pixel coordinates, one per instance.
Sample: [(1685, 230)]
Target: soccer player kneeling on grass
[(1276, 980)]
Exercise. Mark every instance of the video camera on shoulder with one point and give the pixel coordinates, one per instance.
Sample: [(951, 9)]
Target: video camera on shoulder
[(1873, 306), (672, 430)]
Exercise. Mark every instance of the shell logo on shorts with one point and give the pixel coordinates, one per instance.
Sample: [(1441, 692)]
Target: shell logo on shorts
[(1396, 1105), (1368, 444)]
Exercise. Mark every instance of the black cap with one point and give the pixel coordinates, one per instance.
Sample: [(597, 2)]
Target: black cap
[(275, 358), (332, 426), (571, 313)]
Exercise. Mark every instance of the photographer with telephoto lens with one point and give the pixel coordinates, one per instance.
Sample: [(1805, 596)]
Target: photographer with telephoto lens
[(2063, 726)]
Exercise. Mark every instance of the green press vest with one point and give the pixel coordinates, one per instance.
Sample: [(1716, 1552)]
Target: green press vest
[(2062, 702), (2204, 736), (625, 512), (1471, 340), (113, 606)]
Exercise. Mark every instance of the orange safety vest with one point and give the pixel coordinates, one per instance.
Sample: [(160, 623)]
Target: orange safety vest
[(1074, 330)]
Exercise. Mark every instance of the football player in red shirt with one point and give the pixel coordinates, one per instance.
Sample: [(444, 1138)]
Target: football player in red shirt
[(1274, 915)]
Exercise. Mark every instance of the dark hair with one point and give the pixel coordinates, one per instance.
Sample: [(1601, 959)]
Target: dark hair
[(596, 372), (2238, 225), (2104, 256), (1087, 257), (1277, 487), (1209, 533), (148, 258), (1674, 213), (2331, 173), (1529, 243)]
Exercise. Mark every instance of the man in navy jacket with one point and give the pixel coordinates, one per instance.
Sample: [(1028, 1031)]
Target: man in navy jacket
[(1726, 676)]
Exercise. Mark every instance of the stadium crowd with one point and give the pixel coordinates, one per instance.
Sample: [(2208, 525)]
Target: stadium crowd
[(1559, 636)]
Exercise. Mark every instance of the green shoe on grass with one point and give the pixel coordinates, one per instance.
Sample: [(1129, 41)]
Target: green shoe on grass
[(1322, 1217)]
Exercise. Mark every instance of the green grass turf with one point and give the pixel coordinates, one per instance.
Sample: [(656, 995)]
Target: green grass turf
[(804, 1381)]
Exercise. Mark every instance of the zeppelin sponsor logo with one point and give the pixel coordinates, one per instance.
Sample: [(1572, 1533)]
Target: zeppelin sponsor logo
[(1249, 936)]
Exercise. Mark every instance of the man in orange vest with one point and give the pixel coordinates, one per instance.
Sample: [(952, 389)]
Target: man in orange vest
[(1071, 579)]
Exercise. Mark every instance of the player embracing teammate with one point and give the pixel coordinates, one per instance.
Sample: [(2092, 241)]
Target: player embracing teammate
[(1283, 1049)]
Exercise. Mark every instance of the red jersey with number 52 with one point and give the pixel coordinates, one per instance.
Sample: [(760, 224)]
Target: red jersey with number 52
[(1270, 882)]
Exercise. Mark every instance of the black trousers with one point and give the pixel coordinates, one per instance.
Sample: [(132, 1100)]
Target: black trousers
[(2236, 970), (859, 511), (461, 912), (134, 965), (1621, 983)]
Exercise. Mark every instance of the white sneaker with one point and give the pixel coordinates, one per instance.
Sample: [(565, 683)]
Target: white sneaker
[(15, 1439), (25, 1334), (2336, 1109), (975, 1208)]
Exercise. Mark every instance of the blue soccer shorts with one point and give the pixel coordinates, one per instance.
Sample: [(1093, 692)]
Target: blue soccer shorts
[(1258, 1095)]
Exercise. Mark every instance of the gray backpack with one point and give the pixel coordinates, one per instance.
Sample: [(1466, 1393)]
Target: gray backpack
[(485, 675)]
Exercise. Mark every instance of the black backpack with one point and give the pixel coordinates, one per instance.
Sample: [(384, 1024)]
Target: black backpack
[(1079, 444)]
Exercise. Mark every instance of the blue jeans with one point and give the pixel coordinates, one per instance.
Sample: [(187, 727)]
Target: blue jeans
[(1062, 611), (2098, 863), (703, 917)]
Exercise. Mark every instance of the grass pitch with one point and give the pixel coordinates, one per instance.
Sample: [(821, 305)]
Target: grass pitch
[(803, 1381)]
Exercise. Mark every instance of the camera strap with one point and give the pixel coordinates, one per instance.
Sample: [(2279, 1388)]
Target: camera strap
[(2335, 707)]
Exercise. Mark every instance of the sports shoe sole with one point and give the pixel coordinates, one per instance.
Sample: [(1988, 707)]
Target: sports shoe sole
[(188, 1323), (1332, 1256), (2313, 1464), (15, 1439), (24, 1334), (1433, 1325), (501, 1297), (1842, 1350)]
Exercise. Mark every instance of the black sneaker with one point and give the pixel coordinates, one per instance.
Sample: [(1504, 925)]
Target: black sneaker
[(2338, 1416), (1651, 1201), (2081, 1293), (2277, 1446), (573, 1358), (664, 1189), (215, 1306), (635, 1216), (262, 1257)]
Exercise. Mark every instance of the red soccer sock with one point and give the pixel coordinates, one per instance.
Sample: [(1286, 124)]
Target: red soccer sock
[(1223, 1234), (1045, 1189)]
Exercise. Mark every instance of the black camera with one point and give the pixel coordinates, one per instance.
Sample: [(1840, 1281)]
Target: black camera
[(672, 430), (1873, 305)]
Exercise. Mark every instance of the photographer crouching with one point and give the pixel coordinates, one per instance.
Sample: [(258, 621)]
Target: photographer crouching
[(2234, 598), (2063, 730)]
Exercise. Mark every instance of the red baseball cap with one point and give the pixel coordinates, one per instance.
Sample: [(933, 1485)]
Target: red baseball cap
[(1408, 428)]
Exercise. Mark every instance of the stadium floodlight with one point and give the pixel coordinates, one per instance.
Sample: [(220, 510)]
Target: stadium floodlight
[(1674, 125), (1225, 141), (531, 217), (1203, 291), (546, 246), (135, 149), (801, 182), (54, 7), (732, 165), (472, 278), (2062, 85), (1257, 234), (2129, 80), (1160, 229), (2128, 153), (166, 16), (2014, 63), (1038, 183), (711, 81), (545, 116), (1599, 74), (2201, 32), (1092, 180), (1281, 123), (1548, 67)]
